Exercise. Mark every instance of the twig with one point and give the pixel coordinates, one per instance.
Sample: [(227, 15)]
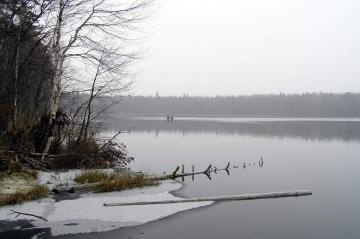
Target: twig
[(116, 135), (26, 214), (34, 163), (175, 171), (227, 166)]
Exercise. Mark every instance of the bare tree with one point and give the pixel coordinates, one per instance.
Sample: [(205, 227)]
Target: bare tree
[(103, 86), (92, 35)]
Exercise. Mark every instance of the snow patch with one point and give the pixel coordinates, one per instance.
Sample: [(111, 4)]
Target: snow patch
[(87, 213), (58, 178)]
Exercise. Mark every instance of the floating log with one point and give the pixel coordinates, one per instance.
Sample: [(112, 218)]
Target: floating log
[(221, 198)]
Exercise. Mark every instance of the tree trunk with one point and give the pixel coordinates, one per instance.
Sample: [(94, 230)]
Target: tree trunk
[(16, 81), (58, 63), (56, 81), (87, 114), (16, 70)]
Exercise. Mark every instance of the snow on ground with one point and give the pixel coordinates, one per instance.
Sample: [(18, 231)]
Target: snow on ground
[(87, 213), (58, 178)]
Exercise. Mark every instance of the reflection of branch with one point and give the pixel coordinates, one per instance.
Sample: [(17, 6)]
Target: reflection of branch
[(26, 214)]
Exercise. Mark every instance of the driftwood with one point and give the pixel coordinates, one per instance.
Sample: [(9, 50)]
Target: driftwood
[(36, 160), (206, 172), (210, 169), (220, 198), (33, 162), (174, 175), (26, 214)]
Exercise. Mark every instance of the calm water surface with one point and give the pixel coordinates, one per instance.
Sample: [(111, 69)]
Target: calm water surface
[(316, 154)]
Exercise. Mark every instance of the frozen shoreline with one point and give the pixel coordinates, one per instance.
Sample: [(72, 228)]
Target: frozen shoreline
[(87, 213)]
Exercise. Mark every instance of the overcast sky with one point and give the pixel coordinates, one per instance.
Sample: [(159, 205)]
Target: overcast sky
[(232, 47)]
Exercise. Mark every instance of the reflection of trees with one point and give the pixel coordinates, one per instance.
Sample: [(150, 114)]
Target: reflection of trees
[(297, 105), (307, 130)]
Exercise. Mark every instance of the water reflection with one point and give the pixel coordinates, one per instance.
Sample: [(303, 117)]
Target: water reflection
[(347, 130), (319, 155), (315, 154)]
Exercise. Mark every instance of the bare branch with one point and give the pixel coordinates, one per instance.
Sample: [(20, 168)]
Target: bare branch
[(17, 213)]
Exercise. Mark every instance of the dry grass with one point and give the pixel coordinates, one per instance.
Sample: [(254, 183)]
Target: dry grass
[(91, 176), (108, 182), (121, 182), (25, 173), (86, 146), (19, 186), (36, 192)]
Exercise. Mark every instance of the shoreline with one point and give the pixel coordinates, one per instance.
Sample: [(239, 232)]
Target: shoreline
[(72, 216)]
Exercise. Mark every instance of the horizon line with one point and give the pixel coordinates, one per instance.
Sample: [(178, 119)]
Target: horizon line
[(156, 94)]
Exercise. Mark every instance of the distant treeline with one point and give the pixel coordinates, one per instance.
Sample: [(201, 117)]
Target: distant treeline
[(282, 105), (305, 130)]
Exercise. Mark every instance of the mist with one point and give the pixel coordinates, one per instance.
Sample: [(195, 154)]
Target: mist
[(246, 47)]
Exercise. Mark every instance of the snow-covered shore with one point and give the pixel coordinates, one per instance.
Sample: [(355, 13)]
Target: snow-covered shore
[(87, 213)]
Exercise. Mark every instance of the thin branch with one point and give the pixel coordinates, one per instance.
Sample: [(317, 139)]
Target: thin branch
[(17, 213)]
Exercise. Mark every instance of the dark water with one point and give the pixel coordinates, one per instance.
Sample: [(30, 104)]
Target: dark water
[(320, 155)]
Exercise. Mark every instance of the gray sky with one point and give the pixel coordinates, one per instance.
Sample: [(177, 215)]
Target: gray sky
[(232, 47)]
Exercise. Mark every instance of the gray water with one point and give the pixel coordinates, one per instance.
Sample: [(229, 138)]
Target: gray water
[(321, 155)]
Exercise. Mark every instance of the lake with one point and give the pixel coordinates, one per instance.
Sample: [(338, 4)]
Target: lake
[(321, 155), (266, 155)]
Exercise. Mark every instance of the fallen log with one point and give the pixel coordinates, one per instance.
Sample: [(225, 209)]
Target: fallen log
[(206, 172), (221, 198)]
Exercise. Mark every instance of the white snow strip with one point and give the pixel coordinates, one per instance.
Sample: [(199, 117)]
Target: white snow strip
[(87, 214)]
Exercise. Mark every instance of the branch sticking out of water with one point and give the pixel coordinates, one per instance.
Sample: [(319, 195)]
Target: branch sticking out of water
[(207, 172)]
